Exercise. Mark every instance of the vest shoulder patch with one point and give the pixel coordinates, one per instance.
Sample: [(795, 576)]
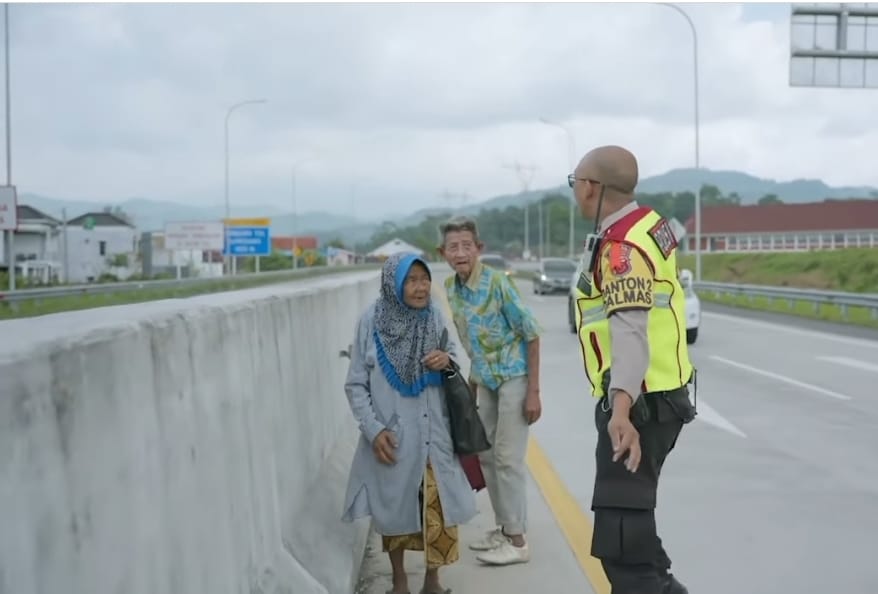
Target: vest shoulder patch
[(663, 236), (620, 258)]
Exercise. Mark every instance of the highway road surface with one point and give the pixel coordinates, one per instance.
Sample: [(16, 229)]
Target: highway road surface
[(773, 489)]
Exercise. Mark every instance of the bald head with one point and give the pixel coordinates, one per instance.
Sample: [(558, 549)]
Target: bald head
[(613, 166)]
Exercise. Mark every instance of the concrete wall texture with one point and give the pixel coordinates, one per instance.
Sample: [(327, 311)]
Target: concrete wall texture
[(195, 446)]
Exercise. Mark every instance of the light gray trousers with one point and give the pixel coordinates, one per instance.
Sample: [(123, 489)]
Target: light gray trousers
[(502, 414)]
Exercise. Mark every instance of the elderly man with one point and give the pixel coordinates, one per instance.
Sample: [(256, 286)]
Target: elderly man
[(633, 336), (502, 338)]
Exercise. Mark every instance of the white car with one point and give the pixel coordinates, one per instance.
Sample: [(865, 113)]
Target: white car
[(693, 304)]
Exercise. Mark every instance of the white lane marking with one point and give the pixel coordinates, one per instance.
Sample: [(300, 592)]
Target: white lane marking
[(855, 363), (741, 321), (781, 378), (709, 415)]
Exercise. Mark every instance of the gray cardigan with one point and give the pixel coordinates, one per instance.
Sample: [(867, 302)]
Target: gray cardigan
[(389, 494)]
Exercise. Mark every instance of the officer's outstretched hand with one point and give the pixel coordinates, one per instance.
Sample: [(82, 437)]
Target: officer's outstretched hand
[(623, 435)]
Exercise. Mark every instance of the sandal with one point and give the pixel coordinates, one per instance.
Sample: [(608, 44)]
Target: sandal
[(445, 591)]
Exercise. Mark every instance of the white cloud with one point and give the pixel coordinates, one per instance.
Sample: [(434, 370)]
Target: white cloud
[(403, 101)]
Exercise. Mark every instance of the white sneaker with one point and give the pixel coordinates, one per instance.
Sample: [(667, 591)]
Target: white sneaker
[(505, 554), (492, 540)]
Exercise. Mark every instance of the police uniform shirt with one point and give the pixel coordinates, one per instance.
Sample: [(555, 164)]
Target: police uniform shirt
[(626, 286)]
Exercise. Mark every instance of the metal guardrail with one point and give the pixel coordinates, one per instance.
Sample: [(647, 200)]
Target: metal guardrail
[(42, 293), (843, 301)]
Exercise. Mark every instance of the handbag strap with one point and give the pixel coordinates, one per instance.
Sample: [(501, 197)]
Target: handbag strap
[(443, 342)]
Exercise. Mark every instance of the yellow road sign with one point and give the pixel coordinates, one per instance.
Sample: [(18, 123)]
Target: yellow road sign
[(262, 222)]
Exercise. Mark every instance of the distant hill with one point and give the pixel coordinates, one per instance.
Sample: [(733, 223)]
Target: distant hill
[(152, 214), (750, 188)]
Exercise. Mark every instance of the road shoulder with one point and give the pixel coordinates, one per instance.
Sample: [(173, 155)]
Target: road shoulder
[(553, 566)]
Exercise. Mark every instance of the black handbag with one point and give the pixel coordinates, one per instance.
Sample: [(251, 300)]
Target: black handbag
[(467, 432)]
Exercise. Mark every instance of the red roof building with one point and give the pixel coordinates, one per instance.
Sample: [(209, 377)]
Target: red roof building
[(786, 227), (285, 244)]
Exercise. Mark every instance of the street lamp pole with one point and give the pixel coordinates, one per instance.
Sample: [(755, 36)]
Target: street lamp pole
[(228, 210), (11, 247), (571, 149), (697, 139)]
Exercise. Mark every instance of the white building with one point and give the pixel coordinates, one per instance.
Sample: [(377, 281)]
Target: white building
[(100, 243), (393, 247), (340, 257), (37, 246)]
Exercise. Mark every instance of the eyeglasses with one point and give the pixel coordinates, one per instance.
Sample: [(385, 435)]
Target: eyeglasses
[(571, 179)]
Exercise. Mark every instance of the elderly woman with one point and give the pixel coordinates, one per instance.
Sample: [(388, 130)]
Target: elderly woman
[(405, 474)]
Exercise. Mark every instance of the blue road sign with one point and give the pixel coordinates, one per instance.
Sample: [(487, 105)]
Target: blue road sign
[(247, 241)]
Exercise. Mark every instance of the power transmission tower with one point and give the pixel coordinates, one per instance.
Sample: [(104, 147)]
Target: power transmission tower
[(446, 197), (449, 197), (525, 177)]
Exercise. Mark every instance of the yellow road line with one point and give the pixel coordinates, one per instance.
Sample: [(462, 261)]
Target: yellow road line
[(574, 523)]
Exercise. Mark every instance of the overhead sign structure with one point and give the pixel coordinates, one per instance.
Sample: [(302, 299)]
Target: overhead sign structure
[(8, 209), (247, 237), (206, 236), (834, 45)]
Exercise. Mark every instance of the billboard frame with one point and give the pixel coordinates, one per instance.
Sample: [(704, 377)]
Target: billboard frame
[(209, 245), (830, 67)]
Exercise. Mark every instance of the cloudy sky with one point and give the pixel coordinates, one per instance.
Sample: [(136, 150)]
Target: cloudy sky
[(391, 105)]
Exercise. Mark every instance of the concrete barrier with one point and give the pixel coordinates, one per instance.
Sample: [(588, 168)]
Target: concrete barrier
[(196, 446)]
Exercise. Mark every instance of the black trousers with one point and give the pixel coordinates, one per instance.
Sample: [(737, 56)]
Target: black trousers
[(625, 536)]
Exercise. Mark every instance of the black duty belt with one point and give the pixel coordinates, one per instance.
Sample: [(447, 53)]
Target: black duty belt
[(659, 406)]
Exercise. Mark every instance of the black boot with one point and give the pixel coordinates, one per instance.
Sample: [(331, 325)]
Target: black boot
[(672, 586)]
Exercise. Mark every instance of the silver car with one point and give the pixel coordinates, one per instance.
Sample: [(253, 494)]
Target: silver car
[(496, 262), (553, 276)]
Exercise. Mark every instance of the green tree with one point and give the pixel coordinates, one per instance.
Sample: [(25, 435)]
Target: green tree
[(502, 229), (770, 199)]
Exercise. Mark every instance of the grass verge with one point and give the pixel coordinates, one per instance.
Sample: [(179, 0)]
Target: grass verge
[(42, 305), (859, 316), (853, 270)]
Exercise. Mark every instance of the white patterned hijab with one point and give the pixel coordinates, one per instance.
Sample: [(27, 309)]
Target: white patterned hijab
[(403, 335)]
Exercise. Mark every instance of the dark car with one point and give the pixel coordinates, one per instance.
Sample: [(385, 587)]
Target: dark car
[(496, 262), (554, 276)]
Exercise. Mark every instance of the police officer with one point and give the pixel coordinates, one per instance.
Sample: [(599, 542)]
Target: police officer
[(630, 315)]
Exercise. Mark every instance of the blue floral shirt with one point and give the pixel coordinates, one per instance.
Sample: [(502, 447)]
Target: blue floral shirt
[(493, 323)]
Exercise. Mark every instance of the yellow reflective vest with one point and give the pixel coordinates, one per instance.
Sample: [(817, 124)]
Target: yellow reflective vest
[(669, 366)]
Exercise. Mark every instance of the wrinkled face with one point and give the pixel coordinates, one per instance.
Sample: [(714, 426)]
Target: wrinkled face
[(461, 251), (416, 288)]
